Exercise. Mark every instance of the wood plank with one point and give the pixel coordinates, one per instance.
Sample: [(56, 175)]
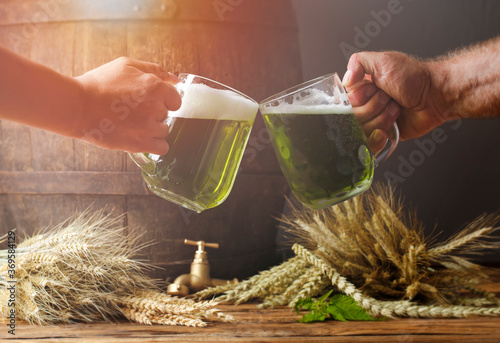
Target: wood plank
[(121, 183), (15, 138), (31, 213), (15, 146), (97, 43), (68, 182), (33, 11), (253, 324), (173, 46), (53, 46), (277, 13)]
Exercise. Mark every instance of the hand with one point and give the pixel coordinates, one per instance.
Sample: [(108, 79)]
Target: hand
[(390, 86), (125, 104)]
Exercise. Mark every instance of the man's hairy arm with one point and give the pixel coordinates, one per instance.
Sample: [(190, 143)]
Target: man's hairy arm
[(470, 81), (420, 95)]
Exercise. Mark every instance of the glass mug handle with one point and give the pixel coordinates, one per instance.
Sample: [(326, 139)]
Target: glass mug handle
[(390, 146), (139, 158), (144, 162)]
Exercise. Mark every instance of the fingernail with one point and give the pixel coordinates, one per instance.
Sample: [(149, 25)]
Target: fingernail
[(347, 77), (378, 136), (173, 77), (394, 109), (370, 91)]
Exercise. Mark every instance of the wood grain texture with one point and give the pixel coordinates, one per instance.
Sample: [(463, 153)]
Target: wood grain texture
[(244, 226), (52, 45), (72, 182), (276, 325), (253, 324), (252, 46), (35, 12), (29, 214), (15, 139), (96, 44)]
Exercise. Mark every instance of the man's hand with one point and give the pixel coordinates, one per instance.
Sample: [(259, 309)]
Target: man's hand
[(390, 86)]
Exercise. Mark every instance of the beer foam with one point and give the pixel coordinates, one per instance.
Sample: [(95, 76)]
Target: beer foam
[(316, 102), (315, 109), (203, 102)]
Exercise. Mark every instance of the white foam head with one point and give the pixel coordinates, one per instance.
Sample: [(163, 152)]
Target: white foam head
[(316, 102), (203, 102)]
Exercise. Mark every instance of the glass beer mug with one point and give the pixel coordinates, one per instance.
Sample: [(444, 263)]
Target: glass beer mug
[(207, 138), (319, 144)]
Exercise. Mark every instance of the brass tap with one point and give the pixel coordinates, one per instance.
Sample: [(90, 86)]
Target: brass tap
[(199, 278)]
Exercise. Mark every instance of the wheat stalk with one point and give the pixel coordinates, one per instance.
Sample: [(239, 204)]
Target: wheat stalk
[(369, 248), (84, 270)]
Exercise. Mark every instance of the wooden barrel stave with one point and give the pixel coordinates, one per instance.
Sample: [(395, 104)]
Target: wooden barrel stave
[(50, 177)]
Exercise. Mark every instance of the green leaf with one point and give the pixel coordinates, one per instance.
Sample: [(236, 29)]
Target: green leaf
[(303, 304), (339, 307), (335, 313), (312, 317), (349, 308), (310, 304), (324, 297)]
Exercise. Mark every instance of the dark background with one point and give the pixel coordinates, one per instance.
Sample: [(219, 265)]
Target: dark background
[(459, 179)]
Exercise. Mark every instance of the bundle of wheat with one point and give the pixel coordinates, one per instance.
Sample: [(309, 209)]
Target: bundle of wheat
[(83, 270), (369, 248)]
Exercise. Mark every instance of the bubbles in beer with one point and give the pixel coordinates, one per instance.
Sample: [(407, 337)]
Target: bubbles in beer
[(326, 157)]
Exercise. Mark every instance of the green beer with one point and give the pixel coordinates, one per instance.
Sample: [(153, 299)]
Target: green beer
[(207, 138), (322, 152), (203, 157)]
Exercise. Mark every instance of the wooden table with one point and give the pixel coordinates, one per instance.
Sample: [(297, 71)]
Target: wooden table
[(273, 325)]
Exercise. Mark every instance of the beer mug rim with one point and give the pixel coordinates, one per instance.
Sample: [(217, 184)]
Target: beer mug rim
[(300, 87), (185, 76)]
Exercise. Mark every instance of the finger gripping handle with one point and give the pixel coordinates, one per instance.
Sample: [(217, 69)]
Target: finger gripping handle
[(390, 146)]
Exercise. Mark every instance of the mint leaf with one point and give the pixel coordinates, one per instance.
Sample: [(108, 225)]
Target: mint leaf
[(312, 305), (304, 304), (335, 313), (339, 307), (324, 297), (312, 317), (349, 308)]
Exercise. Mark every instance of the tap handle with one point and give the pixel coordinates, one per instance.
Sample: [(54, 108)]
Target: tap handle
[(201, 244)]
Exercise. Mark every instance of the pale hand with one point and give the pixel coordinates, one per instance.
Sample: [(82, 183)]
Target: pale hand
[(125, 104)]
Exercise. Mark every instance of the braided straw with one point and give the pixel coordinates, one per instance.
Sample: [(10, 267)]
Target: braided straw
[(402, 308)]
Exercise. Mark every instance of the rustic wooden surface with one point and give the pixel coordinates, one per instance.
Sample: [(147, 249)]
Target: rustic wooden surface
[(253, 324), (257, 325)]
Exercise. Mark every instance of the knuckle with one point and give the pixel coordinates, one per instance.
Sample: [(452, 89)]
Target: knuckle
[(151, 81), (355, 56), (158, 69), (124, 60)]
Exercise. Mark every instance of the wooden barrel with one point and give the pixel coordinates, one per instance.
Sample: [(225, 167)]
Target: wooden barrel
[(250, 45)]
